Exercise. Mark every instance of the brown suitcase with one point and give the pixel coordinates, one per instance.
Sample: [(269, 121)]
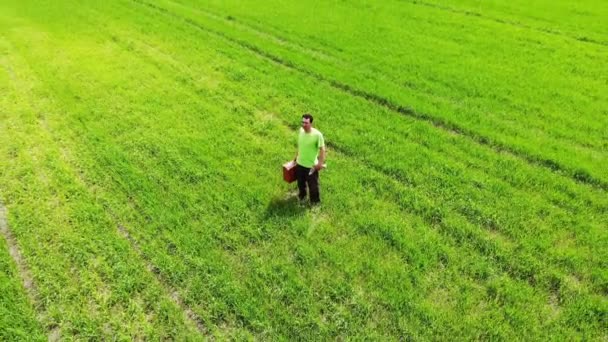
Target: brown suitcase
[(289, 171)]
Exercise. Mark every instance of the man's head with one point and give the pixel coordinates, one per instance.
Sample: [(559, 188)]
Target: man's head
[(307, 122)]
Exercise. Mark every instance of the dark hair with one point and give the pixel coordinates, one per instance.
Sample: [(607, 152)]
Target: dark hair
[(307, 116)]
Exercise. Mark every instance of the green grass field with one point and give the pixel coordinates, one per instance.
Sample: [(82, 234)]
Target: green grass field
[(466, 194)]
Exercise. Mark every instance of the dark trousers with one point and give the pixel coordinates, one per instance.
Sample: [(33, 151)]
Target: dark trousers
[(312, 181)]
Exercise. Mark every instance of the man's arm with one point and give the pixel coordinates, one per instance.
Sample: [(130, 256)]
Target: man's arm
[(319, 165)]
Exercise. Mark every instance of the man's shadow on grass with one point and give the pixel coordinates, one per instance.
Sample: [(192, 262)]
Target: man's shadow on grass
[(286, 206)]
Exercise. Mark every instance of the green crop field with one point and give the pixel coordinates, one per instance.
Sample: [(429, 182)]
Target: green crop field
[(466, 193)]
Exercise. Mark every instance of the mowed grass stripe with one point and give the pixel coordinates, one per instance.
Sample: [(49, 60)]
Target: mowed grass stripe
[(577, 174)]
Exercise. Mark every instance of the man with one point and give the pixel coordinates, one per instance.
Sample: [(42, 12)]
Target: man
[(309, 158)]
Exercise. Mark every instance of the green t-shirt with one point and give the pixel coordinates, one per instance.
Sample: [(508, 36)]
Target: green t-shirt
[(308, 147)]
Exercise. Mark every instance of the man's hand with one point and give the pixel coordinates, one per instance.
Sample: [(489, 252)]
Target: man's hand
[(321, 160)]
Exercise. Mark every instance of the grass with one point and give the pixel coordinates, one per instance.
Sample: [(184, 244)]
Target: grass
[(140, 149), (484, 78), (17, 315)]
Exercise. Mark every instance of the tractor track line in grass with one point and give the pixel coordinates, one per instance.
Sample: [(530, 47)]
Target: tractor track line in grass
[(26, 276), (276, 37), (173, 294), (580, 176), (508, 22), (24, 273)]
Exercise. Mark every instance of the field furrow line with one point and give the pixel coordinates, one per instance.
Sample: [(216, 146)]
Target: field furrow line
[(507, 22), (578, 175), (24, 273), (189, 315), (280, 40)]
